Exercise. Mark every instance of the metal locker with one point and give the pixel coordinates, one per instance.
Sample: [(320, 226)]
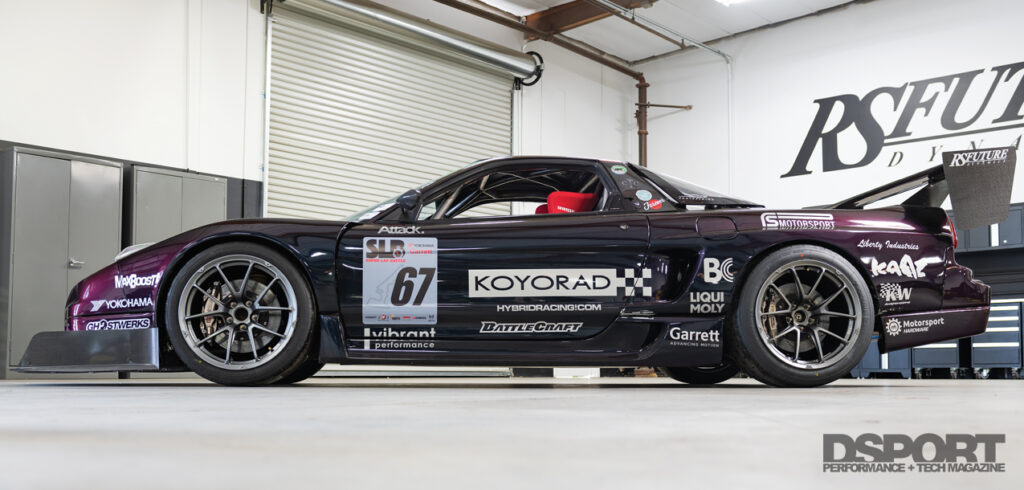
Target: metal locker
[(167, 202), (1011, 233)]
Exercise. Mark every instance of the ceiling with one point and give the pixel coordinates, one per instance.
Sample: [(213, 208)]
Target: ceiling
[(702, 20)]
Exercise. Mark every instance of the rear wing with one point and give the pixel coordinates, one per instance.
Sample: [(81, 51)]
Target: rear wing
[(979, 183)]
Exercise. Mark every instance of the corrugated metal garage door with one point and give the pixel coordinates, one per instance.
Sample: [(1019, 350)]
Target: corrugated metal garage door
[(357, 117)]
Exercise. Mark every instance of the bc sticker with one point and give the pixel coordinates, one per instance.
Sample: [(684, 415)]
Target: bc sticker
[(399, 281)]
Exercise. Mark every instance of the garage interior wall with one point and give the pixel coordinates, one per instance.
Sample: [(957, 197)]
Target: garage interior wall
[(780, 72)]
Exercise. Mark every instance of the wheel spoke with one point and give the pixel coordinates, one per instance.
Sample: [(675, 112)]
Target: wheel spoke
[(799, 286), (272, 308), (227, 282), (776, 313), (817, 345), (264, 292), (833, 297), (829, 332), (265, 329), (836, 313), (779, 292), (252, 344), (231, 343), (210, 296), (204, 315), (784, 332), (816, 282), (212, 335), (245, 281), (796, 347)]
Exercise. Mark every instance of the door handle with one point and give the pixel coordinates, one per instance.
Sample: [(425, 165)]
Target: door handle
[(75, 263), (623, 227)]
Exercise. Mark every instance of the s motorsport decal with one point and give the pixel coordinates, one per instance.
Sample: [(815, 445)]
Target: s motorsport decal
[(395, 339), (896, 326), (905, 267), (135, 281), (400, 230), (121, 324), (717, 270), (120, 304), (549, 307), (797, 221), (400, 281), (521, 283), (707, 301), (684, 337), (893, 294), (530, 327)]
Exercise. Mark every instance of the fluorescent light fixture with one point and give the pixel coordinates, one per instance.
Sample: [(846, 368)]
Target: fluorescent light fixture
[(729, 2)]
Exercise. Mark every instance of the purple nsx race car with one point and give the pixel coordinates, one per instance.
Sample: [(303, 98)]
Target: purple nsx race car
[(535, 261)]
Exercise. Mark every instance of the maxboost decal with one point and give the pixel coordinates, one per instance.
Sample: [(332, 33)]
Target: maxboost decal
[(797, 221), (530, 327), (136, 281), (522, 283), (400, 281)]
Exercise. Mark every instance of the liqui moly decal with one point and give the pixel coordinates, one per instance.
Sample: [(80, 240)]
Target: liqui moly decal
[(797, 221), (136, 281)]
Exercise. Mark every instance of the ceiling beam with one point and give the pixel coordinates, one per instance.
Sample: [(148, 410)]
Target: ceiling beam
[(561, 18)]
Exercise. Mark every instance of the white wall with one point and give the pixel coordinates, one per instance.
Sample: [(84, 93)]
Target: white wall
[(780, 72), (180, 83), (176, 83)]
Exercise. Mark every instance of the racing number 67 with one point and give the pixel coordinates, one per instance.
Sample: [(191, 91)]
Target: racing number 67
[(404, 287)]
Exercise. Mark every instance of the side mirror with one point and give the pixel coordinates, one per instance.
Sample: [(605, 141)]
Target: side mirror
[(409, 200)]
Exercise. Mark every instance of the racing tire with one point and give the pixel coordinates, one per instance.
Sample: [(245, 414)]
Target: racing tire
[(307, 369), (241, 314), (708, 375), (805, 317)]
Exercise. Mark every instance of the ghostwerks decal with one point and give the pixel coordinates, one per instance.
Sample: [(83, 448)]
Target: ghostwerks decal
[(519, 283), (530, 327), (797, 221), (121, 324), (905, 267)]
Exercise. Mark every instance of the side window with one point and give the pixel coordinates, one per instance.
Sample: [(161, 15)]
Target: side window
[(637, 191), (518, 192)]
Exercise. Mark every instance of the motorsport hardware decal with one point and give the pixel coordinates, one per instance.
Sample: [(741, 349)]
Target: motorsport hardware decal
[(797, 221), (121, 324), (530, 327), (120, 304), (399, 281), (896, 326), (521, 283)]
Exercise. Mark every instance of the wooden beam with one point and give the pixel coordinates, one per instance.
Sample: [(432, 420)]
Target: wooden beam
[(561, 18)]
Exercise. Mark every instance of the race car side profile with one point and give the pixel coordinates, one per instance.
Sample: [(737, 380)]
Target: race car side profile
[(534, 261)]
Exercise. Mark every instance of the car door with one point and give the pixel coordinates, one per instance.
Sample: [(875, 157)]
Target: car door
[(544, 276)]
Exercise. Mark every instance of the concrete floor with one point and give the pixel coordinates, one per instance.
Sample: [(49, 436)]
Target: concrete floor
[(481, 433)]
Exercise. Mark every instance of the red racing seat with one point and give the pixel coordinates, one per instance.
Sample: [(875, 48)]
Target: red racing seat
[(570, 202), (542, 209)]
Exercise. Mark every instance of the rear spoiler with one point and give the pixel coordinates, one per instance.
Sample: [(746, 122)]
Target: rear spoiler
[(934, 191)]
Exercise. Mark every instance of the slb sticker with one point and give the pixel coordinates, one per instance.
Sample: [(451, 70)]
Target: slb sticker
[(399, 281)]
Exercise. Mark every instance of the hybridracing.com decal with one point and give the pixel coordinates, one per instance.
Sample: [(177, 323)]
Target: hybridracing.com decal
[(546, 307), (120, 324), (399, 281), (522, 283)]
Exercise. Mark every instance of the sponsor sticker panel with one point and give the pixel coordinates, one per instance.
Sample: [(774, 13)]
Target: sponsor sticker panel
[(400, 280), (527, 283)]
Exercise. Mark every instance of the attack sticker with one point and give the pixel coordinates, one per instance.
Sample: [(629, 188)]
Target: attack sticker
[(399, 281)]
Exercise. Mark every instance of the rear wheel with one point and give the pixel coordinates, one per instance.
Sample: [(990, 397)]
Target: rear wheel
[(705, 375), (805, 318), (240, 314)]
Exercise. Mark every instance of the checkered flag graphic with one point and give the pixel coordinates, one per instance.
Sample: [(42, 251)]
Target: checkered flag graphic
[(634, 284)]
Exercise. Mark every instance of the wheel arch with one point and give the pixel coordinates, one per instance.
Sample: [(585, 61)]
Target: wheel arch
[(198, 246)]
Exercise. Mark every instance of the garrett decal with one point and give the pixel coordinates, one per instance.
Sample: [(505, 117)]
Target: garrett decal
[(549, 307), (707, 302), (682, 337), (120, 304), (797, 221), (400, 230), (893, 294), (530, 327), (125, 324), (867, 243), (521, 283), (385, 338), (715, 270), (134, 281), (905, 267)]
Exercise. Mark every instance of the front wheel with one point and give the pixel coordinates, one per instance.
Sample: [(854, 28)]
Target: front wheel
[(704, 375), (240, 314), (805, 318)]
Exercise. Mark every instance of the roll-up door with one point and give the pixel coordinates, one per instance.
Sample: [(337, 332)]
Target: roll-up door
[(358, 115)]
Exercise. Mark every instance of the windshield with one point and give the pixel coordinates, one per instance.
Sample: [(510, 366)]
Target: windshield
[(375, 210)]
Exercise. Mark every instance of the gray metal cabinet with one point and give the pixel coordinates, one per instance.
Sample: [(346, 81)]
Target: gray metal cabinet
[(61, 221), (167, 202)]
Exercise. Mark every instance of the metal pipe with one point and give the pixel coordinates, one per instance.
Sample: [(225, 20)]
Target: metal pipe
[(641, 119), (432, 36), (652, 26)]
